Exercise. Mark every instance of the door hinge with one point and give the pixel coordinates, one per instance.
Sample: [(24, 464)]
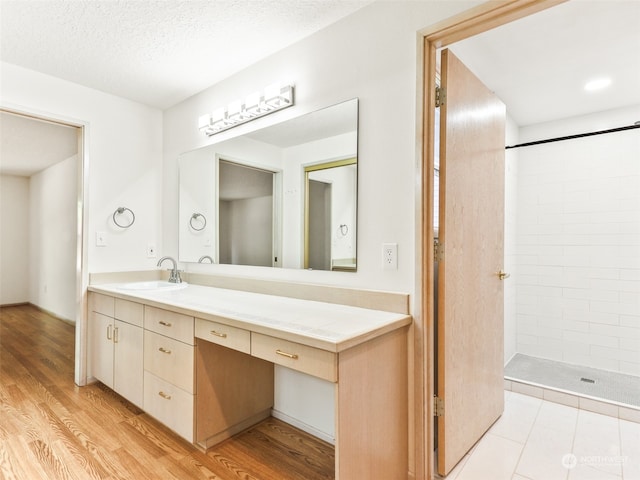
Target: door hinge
[(438, 406), (441, 95), (438, 250)]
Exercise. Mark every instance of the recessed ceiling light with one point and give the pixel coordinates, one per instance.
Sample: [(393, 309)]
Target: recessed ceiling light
[(597, 84)]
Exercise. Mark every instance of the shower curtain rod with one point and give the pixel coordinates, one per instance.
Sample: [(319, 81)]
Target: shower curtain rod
[(571, 137)]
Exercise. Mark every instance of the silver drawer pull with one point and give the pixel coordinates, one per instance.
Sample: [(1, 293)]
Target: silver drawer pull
[(164, 350), (166, 396), (288, 355), (218, 334), (164, 324)]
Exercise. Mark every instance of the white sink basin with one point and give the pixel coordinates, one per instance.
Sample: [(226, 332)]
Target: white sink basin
[(152, 285)]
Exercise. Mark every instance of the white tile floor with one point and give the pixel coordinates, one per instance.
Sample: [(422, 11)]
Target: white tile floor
[(539, 440)]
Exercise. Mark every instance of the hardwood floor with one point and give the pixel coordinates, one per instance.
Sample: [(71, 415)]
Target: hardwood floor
[(52, 429)]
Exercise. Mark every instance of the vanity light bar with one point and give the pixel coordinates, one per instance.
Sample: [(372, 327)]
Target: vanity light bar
[(275, 97)]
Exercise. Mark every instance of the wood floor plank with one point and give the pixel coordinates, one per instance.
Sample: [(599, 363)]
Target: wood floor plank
[(21, 462), (51, 429), (259, 445), (161, 437)]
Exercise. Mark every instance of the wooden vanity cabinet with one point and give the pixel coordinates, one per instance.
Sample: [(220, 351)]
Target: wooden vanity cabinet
[(115, 340), (208, 380), (169, 369)]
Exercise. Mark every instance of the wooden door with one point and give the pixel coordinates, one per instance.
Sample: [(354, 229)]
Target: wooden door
[(470, 338)]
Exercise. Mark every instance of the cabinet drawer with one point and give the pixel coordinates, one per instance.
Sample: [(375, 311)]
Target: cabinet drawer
[(169, 404), (171, 324), (169, 359), (314, 361), (130, 312), (225, 335), (100, 303)]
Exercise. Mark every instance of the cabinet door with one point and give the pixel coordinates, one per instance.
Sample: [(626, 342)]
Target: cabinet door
[(128, 367), (101, 348)]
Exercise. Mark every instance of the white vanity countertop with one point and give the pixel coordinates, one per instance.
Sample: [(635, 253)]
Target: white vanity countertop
[(322, 325)]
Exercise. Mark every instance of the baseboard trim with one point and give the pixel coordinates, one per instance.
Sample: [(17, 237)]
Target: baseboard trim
[(53, 315), (571, 399), (303, 426)]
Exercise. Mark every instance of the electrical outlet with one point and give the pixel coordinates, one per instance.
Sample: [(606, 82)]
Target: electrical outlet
[(151, 251), (389, 256)]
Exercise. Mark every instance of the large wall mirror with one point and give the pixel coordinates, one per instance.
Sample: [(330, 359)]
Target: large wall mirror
[(282, 196)]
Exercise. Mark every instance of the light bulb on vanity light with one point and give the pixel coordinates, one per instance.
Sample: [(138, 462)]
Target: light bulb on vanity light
[(278, 96), (252, 103), (204, 121), (235, 111)]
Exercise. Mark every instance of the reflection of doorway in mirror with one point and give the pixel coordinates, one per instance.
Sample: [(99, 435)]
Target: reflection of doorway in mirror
[(330, 215), (246, 214), (319, 225)]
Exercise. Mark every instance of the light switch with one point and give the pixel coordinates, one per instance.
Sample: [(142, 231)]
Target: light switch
[(101, 239)]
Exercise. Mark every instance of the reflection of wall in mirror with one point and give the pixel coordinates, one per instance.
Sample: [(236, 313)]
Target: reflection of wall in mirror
[(343, 251), (197, 174)]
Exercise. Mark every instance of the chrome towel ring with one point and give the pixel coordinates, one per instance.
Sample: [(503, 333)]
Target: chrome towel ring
[(195, 217), (120, 211)]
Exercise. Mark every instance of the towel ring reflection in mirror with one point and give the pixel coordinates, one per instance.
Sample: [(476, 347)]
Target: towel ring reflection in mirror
[(120, 211), (196, 227)]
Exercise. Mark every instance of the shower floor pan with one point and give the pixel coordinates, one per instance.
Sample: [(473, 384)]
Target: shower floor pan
[(602, 385)]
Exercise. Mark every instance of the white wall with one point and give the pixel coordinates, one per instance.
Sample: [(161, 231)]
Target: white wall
[(579, 243), (53, 238), (14, 234), (124, 155)]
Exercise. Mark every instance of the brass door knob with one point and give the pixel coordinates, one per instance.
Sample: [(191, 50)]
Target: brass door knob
[(502, 275)]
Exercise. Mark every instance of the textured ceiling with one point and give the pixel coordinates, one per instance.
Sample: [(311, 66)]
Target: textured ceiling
[(156, 52)]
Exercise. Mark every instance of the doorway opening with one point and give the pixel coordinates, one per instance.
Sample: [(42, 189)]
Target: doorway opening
[(330, 215), (443, 34), (247, 233), (571, 204), (43, 218)]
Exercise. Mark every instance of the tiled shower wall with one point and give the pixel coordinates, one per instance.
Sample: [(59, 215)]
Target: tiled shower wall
[(578, 243)]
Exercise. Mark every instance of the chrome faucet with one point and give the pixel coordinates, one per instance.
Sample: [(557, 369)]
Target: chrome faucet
[(174, 277), (205, 257)]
